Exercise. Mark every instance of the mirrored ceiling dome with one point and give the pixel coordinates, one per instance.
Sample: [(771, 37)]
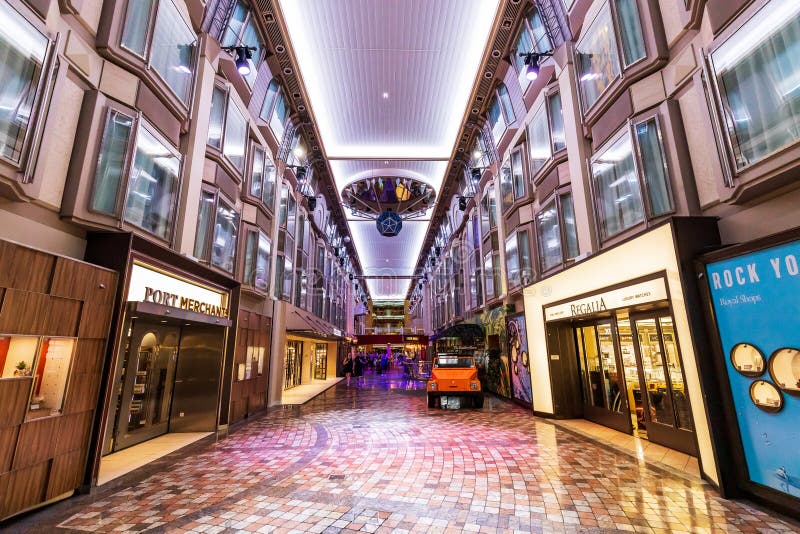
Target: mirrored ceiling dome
[(370, 197)]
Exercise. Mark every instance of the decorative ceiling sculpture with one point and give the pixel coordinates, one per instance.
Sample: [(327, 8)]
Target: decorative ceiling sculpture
[(370, 198)]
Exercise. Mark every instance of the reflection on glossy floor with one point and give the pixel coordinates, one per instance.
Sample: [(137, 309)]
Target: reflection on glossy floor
[(375, 458)]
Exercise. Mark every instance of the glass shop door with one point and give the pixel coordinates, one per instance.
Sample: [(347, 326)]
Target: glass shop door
[(604, 400), (662, 406), (321, 361), (147, 383)]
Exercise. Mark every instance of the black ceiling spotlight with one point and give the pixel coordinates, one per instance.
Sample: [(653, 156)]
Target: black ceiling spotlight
[(462, 203), (475, 173), (351, 277), (532, 60), (243, 56), (312, 203)]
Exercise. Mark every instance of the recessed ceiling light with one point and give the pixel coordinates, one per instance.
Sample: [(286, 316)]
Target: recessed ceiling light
[(385, 95)]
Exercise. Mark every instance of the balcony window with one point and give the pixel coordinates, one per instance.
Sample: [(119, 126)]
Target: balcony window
[(217, 117), (169, 50), (555, 113), (532, 37), (556, 231), (518, 173), (620, 174), (488, 215), (757, 74), (505, 103), (217, 231), (241, 31), (539, 140), (506, 186), (23, 50), (152, 175), (630, 30), (273, 90), (235, 138), (262, 177), (257, 260), (491, 272), (496, 120), (518, 259), (278, 117)]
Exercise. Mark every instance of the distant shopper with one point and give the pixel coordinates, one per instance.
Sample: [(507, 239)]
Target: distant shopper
[(347, 367), (358, 368)]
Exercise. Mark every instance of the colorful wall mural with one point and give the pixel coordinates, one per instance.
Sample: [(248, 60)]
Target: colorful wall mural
[(517, 350)]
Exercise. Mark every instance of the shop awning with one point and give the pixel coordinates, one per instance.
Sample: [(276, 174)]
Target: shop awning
[(304, 324), (466, 332)]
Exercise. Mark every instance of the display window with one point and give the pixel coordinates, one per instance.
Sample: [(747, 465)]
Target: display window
[(44, 359)]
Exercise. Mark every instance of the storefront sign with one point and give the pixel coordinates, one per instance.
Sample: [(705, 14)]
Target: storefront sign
[(149, 285), (649, 291), (757, 309), (337, 332)]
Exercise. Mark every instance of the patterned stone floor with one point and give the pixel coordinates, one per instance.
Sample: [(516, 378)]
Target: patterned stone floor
[(375, 459)]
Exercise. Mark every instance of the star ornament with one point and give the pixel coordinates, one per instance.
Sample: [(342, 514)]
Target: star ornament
[(389, 223)]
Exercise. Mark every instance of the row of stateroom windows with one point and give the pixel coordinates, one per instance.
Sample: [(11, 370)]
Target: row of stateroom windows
[(755, 75)]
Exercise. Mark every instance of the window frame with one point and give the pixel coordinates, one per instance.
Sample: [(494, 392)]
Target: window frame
[(205, 259), (623, 67), (516, 236), (629, 129), (525, 26), (716, 102), (249, 229), (139, 121), (278, 90), (255, 147), (557, 199), (42, 95), (148, 39), (262, 44)]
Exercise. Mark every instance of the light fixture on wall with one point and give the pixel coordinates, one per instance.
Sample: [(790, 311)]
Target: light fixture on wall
[(462, 203), (243, 56), (532, 60)]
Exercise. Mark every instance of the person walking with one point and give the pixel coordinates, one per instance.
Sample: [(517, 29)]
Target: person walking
[(358, 368), (347, 367)]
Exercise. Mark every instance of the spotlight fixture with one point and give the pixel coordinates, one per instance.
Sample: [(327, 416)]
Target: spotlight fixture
[(312, 203), (532, 60), (243, 56), (462, 203)]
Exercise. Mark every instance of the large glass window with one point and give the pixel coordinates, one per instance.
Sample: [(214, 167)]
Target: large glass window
[(619, 178), (539, 140), (235, 136), (241, 31), (505, 103), (757, 73), (111, 162), (171, 46), (496, 120), (217, 231), (257, 259), (278, 118), (630, 29), (556, 231), (506, 186), (556, 121), (152, 183), (217, 117), (22, 54), (488, 271), (532, 37), (262, 181), (273, 89), (518, 259), (518, 173), (598, 58)]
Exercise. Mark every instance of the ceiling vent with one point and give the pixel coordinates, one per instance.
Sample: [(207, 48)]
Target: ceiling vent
[(269, 17), (301, 107), (280, 49), (496, 53), (296, 95), (475, 110), (487, 74), (287, 71), (507, 23)]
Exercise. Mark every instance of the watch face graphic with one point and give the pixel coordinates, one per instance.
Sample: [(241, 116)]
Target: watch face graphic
[(766, 396), (748, 360), (784, 368)]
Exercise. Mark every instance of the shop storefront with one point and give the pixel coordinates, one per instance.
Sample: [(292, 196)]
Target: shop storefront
[(311, 350), (293, 364), (172, 359), (753, 303), (615, 339)]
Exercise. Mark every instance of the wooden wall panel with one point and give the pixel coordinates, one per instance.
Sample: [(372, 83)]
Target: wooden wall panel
[(24, 488), (95, 320), (8, 442), (89, 356), (72, 432), (22, 312), (25, 268), (14, 400), (65, 473), (35, 443), (82, 393), (63, 316)]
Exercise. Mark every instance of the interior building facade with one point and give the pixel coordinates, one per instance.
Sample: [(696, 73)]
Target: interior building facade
[(617, 219)]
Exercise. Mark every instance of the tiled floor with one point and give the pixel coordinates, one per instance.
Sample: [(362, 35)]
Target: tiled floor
[(127, 460), (374, 458), (305, 392)]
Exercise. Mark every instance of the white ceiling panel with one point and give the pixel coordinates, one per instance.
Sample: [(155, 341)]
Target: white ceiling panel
[(388, 79), (388, 288), (388, 256), (347, 171)]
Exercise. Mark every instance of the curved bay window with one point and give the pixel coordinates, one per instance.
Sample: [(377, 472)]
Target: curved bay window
[(241, 31), (227, 128), (519, 264), (257, 256), (629, 178), (137, 174), (610, 42), (262, 177), (217, 231), (24, 54), (155, 31), (546, 133), (757, 80), (556, 232)]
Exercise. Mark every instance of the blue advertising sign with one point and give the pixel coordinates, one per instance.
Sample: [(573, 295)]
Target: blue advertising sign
[(756, 299)]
